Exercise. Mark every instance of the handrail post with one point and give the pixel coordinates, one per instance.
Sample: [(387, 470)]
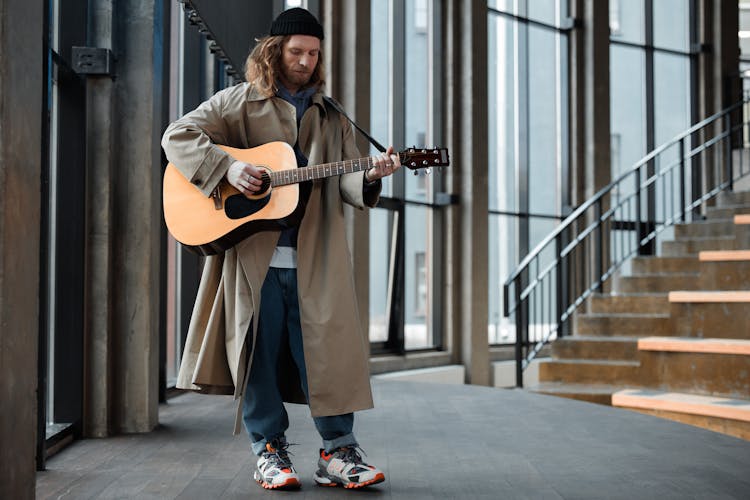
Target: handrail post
[(519, 331), (598, 245), (728, 153), (560, 298), (683, 207), (638, 228)]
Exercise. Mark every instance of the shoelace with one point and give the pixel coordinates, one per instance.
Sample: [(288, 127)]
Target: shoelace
[(352, 455), (280, 457)]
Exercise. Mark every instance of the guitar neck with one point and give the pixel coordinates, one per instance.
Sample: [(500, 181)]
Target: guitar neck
[(297, 175)]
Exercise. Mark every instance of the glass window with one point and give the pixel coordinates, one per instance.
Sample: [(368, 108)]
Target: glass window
[(417, 116), (502, 88), (381, 224), (672, 24), (527, 64), (543, 119), (671, 116), (627, 104), (412, 124), (379, 87), (544, 11), (627, 21), (417, 331), (503, 256)]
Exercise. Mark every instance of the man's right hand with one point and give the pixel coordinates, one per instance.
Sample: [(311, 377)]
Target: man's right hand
[(245, 177)]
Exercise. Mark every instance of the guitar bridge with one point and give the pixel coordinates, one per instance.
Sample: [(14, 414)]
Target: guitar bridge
[(216, 195)]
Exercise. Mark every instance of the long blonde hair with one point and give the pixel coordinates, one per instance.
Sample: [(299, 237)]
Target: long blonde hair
[(263, 65)]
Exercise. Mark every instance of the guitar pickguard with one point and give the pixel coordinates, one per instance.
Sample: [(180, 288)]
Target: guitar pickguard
[(238, 206)]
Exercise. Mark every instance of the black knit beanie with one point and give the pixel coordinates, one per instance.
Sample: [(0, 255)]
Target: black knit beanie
[(296, 21)]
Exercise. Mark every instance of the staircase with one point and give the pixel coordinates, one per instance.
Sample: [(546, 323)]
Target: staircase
[(673, 338)]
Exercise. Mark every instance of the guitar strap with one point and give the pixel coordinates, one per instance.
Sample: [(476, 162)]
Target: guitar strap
[(336, 106)]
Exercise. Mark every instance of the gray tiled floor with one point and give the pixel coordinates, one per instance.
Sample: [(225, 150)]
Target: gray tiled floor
[(432, 441)]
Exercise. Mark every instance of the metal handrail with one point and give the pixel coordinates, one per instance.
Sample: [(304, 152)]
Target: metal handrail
[(589, 237)]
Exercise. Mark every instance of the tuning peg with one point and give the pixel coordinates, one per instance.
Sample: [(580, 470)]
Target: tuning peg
[(427, 171)]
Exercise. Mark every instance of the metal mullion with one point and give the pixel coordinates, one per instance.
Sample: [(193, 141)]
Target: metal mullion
[(435, 68), (694, 105), (650, 120), (649, 45), (397, 129), (42, 342), (563, 97), (522, 129), (528, 21)]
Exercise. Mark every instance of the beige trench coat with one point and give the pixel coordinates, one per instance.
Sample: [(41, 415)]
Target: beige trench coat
[(216, 358)]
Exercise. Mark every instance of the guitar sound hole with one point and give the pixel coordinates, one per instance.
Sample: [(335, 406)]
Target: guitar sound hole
[(265, 180)]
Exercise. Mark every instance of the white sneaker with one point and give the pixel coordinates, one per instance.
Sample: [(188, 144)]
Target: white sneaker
[(275, 469), (345, 467)]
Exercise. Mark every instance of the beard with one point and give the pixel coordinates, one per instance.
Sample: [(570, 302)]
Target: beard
[(297, 76)]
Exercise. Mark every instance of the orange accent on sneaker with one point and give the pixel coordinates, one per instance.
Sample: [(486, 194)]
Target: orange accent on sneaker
[(379, 478), (289, 483)]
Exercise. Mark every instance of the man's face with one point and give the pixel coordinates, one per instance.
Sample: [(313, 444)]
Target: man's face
[(299, 58)]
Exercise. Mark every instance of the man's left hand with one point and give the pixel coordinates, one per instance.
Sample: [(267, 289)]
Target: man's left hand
[(383, 165)]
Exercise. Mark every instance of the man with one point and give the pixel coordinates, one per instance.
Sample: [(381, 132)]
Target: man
[(276, 317)]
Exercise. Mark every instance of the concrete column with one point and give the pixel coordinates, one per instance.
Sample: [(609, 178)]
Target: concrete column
[(719, 84), (137, 219), (22, 87), (718, 68), (346, 52), (590, 94), (466, 129), (101, 122)]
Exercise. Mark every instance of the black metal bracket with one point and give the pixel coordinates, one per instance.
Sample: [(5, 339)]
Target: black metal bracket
[(93, 61), (446, 199)]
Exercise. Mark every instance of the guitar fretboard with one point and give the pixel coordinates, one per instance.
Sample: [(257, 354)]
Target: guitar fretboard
[(297, 175)]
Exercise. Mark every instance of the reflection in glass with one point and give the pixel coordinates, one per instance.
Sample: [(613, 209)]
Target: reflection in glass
[(417, 116), (381, 222), (417, 317)]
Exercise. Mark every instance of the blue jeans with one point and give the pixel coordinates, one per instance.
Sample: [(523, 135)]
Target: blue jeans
[(263, 409)]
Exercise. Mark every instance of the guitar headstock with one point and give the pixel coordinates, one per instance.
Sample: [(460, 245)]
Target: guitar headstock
[(415, 158)]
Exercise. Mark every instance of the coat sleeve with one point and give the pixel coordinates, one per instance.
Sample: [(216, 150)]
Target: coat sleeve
[(190, 144), (353, 187)]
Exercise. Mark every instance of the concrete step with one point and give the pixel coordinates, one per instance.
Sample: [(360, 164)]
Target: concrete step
[(623, 324), (705, 314), (591, 347), (726, 211), (586, 371), (705, 229), (725, 270), (592, 393), (643, 303), (665, 265), (706, 373), (726, 415), (692, 246), (732, 198), (656, 283)]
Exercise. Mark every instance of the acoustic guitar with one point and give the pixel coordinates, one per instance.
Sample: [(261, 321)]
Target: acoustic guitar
[(213, 224)]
